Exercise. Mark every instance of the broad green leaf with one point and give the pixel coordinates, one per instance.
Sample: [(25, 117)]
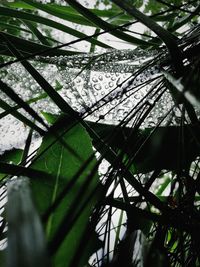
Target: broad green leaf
[(58, 161)]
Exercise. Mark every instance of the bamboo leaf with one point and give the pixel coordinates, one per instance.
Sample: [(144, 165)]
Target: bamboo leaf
[(181, 22), (38, 19), (16, 170), (68, 13), (19, 4), (11, 110), (106, 149)]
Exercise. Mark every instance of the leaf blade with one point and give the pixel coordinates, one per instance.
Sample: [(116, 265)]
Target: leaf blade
[(62, 165), (38, 19)]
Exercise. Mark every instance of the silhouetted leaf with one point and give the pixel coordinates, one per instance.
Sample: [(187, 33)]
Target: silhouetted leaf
[(150, 150)]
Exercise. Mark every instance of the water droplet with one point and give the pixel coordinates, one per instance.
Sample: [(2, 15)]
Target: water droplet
[(111, 84), (97, 86)]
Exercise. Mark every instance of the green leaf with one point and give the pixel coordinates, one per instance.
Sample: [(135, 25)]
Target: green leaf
[(16, 170), (162, 187), (13, 110), (19, 4), (63, 166), (69, 14), (11, 156), (6, 26), (62, 12), (183, 21), (37, 33), (138, 218), (50, 118)]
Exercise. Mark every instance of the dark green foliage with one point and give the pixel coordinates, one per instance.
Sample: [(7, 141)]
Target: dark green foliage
[(154, 164), (151, 150)]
